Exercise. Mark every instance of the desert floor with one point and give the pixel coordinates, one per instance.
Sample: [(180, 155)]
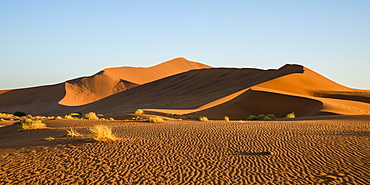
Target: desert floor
[(324, 150)]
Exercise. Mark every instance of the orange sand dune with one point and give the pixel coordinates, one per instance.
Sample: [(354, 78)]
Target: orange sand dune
[(113, 80), (172, 87)]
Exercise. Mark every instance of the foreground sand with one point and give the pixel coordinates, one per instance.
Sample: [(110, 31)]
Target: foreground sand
[(331, 150)]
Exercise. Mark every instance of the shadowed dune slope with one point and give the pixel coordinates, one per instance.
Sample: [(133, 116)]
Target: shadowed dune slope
[(294, 92), (55, 99), (113, 80), (188, 90)]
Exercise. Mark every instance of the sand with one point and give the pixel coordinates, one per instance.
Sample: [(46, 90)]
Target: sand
[(306, 150)]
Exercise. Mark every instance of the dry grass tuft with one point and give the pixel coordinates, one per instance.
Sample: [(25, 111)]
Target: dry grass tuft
[(91, 115), (102, 133), (155, 120), (29, 124), (49, 138), (226, 118), (290, 115), (139, 111), (73, 133), (203, 118)]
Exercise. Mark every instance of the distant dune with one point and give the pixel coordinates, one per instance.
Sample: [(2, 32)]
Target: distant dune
[(180, 86)]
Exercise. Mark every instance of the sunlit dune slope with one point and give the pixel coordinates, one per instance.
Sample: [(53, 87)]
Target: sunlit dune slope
[(189, 90), (113, 80)]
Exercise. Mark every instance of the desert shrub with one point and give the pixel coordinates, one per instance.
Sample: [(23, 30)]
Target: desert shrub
[(139, 111), (267, 118), (203, 118), (290, 115), (2, 119), (68, 116), (91, 115), (19, 114), (226, 118), (261, 116), (252, 117), (6, 115), (29, 124), (58, 117), (102, 133), (112, 119), (270, 116), (155, 120), (73, 133), (76, 114)]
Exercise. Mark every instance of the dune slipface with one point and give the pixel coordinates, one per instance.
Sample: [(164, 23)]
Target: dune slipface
[(192, 89)]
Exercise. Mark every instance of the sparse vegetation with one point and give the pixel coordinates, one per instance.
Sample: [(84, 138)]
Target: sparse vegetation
[(267, 118), (29, 124), (58, 117), (2, 119), (102, 133), (6, 115), (203, 118), (20, 114), (271, 116), (91, 115), (73, 133), (49, 138), (290, 115), (261, 116), (155, 120), (226, 118), (252, 117), (139, 111)]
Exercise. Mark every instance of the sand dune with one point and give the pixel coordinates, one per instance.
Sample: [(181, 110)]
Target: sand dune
[(331, 150), (193, 89)]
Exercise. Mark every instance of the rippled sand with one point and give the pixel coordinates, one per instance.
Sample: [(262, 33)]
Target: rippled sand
[(334, 150)]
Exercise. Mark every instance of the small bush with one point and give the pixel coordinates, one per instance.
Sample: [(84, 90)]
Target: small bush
[(155, 120), (261, 116), (58, 117), (19, 114), (76, 114), (252, 117), (203, 118), (29, 124), (68, 116), (111, 119), (226, 118), (91, 115), (267, 118), (139, 111), (290, 115), (270, 116), (73, 133), (102, 133), (2, 119)]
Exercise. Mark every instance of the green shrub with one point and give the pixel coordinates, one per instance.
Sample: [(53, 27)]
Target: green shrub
[(139, 111), (261, 116), (102, 133), (252, 117), (267, 118), (270, 116), (29, 124), (290, 115), (19, 114), (91, 115)]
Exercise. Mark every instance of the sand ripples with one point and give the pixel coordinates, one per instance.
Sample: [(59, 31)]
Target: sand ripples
[(302, 152)]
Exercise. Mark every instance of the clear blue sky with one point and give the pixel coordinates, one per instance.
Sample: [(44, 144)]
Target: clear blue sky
[(47, 42)]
